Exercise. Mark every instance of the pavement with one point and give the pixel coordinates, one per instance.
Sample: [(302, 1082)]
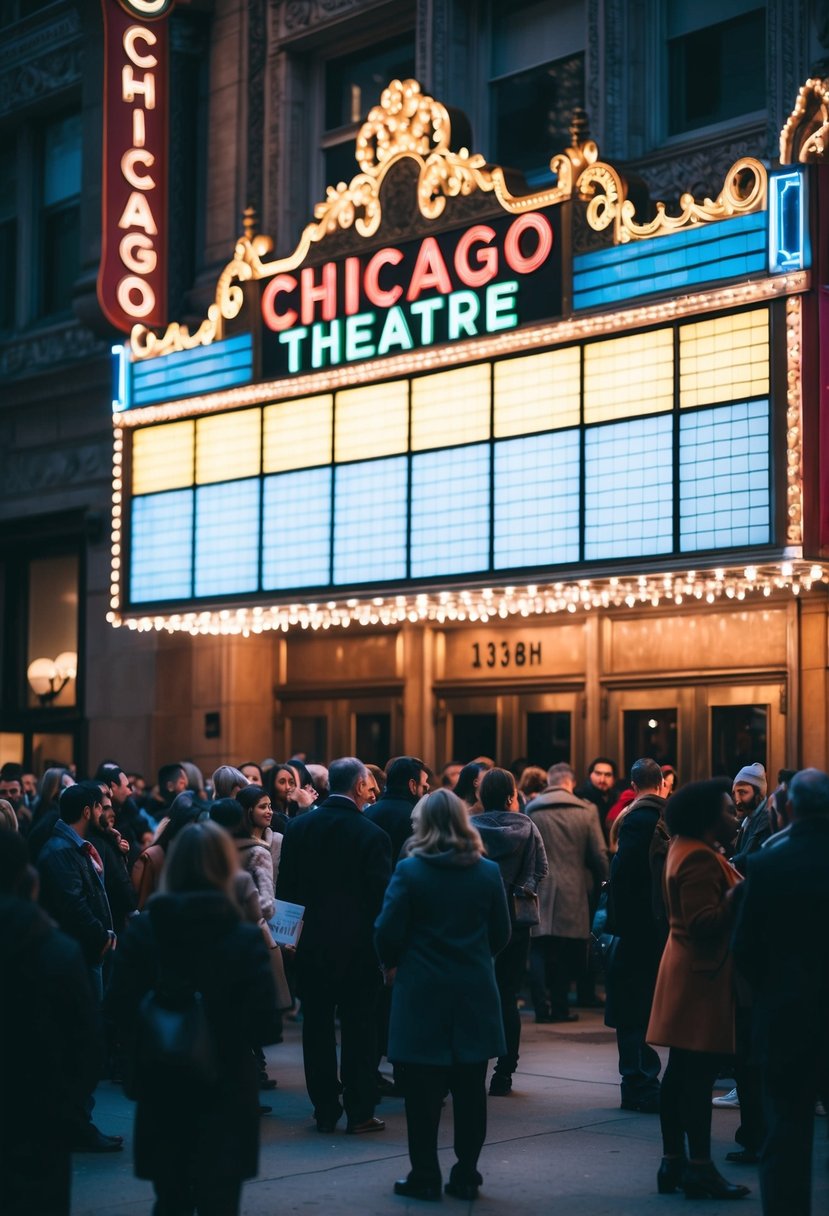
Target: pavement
[(557, 1146)]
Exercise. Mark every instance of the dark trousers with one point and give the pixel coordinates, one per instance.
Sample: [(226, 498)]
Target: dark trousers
[(751, 1131), (425, 1086), (786, 1157), (685, 1103), (554, 963), (357, 1009), (180, 1196), (639, 1065), (510, 966)]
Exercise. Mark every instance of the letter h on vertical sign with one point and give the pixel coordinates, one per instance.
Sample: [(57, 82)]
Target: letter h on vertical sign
[(132, 278)]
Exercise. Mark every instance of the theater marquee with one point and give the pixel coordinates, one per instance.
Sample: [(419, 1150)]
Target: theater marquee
[(473, 416)]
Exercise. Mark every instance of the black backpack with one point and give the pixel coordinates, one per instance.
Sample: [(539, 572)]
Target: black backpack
[(174, 1045)]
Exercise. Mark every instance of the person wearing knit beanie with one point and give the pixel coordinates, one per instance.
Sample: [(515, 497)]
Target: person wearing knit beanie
[(751, 774)]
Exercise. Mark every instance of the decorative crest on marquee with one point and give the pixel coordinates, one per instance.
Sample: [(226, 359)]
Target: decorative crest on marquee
[(805, 136), (408, 124)]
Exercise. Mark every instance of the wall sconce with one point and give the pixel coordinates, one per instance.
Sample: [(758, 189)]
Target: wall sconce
[(49, 677)]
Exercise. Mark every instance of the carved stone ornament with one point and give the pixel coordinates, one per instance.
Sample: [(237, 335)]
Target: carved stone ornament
[(805, 137), (409, 125)]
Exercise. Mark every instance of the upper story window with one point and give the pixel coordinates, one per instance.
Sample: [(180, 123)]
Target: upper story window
[(352, 85), (61, 213), (40, 190), (716, 62), (537, 80)]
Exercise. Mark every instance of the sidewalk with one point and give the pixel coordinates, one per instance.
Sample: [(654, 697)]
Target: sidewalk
[(557, 1146)]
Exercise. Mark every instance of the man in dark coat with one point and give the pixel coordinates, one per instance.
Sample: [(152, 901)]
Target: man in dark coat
[(749, 794), (781, 947), (336, 863), (600, 789), (407, 781), (634, 962), (48, 1043), (73, 893)]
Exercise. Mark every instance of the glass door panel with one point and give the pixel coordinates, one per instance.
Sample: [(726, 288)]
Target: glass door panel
[(739, 736), (650, 733), (308, 737), (373, 738), (549, 738), (474, 734)]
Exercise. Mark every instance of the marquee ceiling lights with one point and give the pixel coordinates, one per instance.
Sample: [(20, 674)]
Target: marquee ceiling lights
[(483, 605)]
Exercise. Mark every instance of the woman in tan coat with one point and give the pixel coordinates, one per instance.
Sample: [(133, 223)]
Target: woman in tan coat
[(693, 1006)]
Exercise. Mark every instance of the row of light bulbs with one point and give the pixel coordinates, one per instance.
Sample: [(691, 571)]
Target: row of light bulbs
[(495, 604)]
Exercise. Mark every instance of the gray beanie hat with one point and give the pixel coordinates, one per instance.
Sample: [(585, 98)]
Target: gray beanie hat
[(752, 774)]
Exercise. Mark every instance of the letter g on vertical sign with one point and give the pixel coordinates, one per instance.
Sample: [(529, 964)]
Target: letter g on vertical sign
[(132, 277)]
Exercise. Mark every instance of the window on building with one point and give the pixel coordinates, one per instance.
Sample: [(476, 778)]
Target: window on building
[(61, 213), (352, 85), (716, 62), (8, 234), (536, 81)]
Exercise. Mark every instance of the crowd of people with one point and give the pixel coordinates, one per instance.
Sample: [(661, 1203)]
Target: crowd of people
[(144, 939)]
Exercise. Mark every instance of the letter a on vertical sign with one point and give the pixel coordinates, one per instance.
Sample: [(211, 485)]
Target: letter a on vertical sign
[(132, 278)]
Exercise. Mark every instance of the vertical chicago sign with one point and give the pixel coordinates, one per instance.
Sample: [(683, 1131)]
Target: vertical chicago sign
[(132, 279)]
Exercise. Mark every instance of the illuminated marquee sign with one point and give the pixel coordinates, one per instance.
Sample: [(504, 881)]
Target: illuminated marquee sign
[(461, 284), (132, 276)]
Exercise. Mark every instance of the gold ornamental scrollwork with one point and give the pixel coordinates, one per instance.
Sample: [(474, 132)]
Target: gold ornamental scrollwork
[(406, 124), (805, 135), (409, 124), (745, 190)]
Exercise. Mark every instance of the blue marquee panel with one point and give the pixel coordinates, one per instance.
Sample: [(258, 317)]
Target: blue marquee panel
[(296, 530), (536, 507), (724, 467), (450, 511), (227, 538), (628, 488), (705, 254), (370, 502), (190, 373), (162, 543)]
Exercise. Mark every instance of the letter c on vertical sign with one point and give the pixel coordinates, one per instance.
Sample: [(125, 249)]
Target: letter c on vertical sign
[(131, 37)]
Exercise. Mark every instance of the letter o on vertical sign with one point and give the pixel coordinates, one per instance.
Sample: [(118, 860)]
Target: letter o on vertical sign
[(132, 277)]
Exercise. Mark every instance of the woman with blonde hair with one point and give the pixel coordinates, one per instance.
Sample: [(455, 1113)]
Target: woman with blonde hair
[(444, 919), (198, 1143)]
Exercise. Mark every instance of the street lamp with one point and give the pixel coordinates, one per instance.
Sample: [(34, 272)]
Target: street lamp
[(49, 677)]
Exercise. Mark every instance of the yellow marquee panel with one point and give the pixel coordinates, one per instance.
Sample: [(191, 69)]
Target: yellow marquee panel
[(538, 392), (372, 421), (628, 376), (724, 359), (297, 434), (228, 446), (162, 457), (451, 407)]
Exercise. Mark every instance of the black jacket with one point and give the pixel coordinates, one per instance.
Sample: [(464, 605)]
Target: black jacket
[(781, 946), (337, 864), (601, 801), (635, 962), (117, 883), (200, 935), (393, 814), (49, 1029), (72, 892)]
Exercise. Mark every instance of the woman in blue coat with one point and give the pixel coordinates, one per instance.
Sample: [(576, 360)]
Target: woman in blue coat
[(444, 918)]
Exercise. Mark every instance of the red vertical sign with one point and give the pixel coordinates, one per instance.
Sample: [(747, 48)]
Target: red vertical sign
[(132, 279)]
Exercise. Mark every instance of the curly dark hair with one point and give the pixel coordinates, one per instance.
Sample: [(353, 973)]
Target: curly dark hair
[(696, 807)]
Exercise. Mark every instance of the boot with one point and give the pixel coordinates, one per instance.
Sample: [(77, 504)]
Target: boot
[(669, 1174), (702, 1180)]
